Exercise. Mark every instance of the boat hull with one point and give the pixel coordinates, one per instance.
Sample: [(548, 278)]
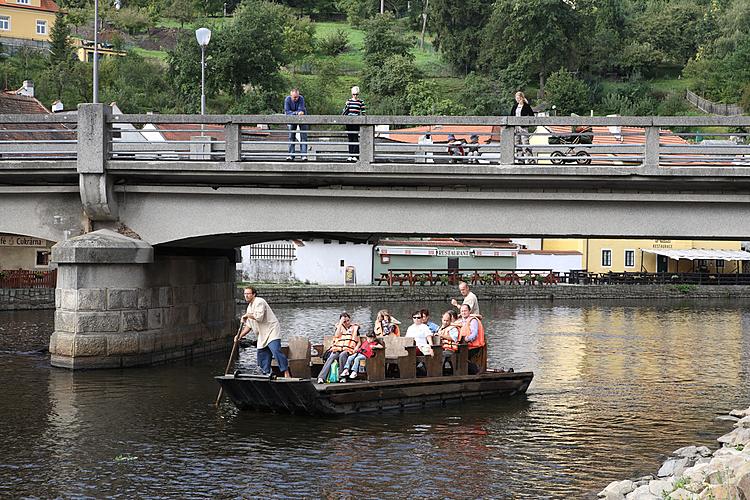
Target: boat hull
[(303, 396)]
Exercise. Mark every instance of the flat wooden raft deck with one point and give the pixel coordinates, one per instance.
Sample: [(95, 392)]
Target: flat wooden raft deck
[(303, 396)]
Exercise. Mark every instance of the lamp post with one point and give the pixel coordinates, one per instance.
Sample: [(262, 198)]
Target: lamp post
[(118, 4), (203, 35)]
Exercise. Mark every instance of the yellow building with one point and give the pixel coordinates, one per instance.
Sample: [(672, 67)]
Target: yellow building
[(605, 255), (85, 50), (26, 22)]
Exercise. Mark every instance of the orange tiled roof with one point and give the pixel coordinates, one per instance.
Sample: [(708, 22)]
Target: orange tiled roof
[(12, 103), (45, 5), (630, 135), (440, 133), (184, 131), (453, 242)]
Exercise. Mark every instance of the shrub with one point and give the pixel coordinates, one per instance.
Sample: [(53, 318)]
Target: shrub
[(334, 43)]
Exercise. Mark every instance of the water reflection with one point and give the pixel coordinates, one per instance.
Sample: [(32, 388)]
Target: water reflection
[(617, 387)]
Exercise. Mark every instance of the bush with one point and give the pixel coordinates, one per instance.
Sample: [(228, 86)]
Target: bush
[(567, 92), (334, 43), (673, 105)]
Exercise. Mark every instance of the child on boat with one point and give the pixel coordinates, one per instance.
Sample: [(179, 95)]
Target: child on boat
[(385, 324), (365, 351), (345, 344)]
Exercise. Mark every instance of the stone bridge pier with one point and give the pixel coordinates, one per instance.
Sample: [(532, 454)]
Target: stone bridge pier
[(121, 302)]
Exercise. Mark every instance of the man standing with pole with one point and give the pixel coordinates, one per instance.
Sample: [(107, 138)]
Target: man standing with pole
[(268, 329)]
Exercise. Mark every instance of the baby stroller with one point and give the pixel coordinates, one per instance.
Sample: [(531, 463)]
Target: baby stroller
[(578, 135)]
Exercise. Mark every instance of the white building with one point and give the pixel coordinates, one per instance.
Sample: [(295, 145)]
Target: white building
[(561, 261), (321, 261)]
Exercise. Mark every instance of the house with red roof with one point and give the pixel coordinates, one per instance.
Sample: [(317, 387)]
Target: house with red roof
[(26, 23)]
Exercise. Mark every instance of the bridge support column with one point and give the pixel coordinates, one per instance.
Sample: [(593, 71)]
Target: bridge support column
[(120, 302)]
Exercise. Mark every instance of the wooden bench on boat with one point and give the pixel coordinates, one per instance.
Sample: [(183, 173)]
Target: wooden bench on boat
[(401, 352), (374, 366)]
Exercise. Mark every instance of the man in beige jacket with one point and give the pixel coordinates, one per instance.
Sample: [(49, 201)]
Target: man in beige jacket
[(269, 333)]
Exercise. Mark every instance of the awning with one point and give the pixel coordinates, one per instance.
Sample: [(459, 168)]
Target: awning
[(700, 254)]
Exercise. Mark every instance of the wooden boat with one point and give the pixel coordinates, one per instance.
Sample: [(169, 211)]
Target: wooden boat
[(304, 396)]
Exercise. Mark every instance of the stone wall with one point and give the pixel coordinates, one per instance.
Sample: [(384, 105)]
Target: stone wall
[(119, 304), (281, 294), (13, 299)]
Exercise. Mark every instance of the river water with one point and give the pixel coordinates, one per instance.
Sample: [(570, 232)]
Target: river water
[(617, 387)]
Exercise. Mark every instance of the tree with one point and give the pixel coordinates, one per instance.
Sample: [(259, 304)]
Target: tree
[(60, 48), (137, 84), (357, 11), (247, 50), (458, 30), (535, 35), (299, 40), (482, 95), (387, 84), (385, 38), (424, 99), (131, 19), (567, 92)]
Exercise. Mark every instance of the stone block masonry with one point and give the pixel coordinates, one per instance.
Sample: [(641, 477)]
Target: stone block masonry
[(15, 299), (120, 303), (285, 294)]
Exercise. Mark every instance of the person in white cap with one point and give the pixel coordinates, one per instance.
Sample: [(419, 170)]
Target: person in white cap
[(354, 107)]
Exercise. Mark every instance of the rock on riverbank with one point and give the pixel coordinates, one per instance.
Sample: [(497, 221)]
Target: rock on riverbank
[(695, 473)]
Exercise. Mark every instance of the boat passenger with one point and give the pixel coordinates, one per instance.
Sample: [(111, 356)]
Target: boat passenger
[(260, 316), (450, 334), (472, 330), (420, 333), (385, 324), (469, 298), (345, 343), (426, 320), (365, 351)]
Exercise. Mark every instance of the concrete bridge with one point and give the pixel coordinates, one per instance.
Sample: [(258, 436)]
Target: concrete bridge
[(178, 193)]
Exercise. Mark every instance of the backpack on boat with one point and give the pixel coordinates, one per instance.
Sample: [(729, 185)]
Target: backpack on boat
[(333, 374)]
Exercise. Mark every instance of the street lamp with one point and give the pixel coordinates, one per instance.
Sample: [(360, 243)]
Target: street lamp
[(118, 4), (203, 35)]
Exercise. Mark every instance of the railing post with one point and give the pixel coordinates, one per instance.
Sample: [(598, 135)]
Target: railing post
[(651, 150), (93, 148), (366, 145), (232, 142), (508, 145)]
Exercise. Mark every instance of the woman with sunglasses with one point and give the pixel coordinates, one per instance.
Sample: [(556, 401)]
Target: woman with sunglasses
[(420, 333)]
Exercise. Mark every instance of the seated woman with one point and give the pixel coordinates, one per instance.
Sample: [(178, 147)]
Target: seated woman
[(345, 343), (365, 351), (450, 334), (420, 333), (385, 324)]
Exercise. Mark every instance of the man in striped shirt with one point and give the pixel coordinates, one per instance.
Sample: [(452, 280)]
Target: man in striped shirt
[(354, 107)]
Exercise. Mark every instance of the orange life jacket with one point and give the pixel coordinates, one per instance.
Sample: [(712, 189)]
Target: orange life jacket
[(449, 345), (466, 331), (346, 342)]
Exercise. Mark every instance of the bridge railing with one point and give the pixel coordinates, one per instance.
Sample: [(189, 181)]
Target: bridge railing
[(647, 142), (580, 143), (38, 137)]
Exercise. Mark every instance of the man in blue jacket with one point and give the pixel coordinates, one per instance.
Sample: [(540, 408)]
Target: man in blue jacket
[(294, 104)]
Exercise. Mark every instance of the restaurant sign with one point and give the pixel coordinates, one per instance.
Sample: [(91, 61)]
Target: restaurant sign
[(662, 244), (9, 240), (454, 252)]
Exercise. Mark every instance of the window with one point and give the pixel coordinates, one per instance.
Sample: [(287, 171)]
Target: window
[(23, 2), (5, 23), (341, 263), (629, 258), (719, 264), (42, 258), (385, 259), (326, 242), (41, 27), (606, 258)]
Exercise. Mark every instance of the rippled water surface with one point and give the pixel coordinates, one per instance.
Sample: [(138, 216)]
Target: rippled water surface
[(617, 387)]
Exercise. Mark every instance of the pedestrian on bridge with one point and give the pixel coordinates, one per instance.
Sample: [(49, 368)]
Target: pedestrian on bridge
[(260, 316), (294, 105), (354, 107)]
